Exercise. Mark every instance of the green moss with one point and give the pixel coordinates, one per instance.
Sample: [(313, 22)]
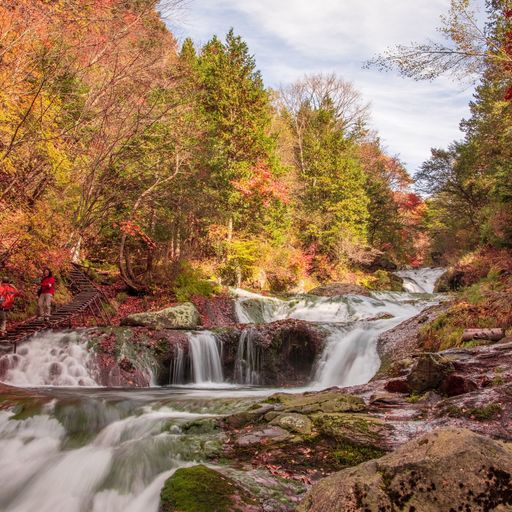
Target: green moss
[(487, 412), (358, 429), (351, 455), (201, 426), (27, 408), (413, 398), (201, 489), (326, 401), (484, 413)]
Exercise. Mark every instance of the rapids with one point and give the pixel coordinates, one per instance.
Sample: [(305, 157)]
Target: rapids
[(83, 448)]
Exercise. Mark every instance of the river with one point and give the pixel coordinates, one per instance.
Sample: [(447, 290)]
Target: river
[(85, 448)]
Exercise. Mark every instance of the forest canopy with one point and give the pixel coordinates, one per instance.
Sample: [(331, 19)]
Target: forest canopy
[(124, 150)]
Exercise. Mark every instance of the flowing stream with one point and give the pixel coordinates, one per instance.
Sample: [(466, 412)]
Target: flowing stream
[(84, 448)]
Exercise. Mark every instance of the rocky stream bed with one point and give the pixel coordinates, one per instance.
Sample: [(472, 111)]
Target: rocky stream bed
[(428, 432)]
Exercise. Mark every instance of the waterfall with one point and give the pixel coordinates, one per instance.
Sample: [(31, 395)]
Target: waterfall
[(116, 460), (205, 354), (421, 280), (248, 359), (50, 359), (177, 369)]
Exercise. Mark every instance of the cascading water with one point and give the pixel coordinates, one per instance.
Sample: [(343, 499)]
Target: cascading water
[(177, 369), (248, 359), (205, 354), (420, 280), (50, 359), (97, 450), (117, 462)]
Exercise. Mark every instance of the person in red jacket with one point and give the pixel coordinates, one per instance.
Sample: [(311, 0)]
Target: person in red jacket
[(7, 294), (46, 293)]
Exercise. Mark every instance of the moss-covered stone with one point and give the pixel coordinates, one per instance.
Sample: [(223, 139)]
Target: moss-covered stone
[(202, 489), (294, 422), (357, 429), (435, 472), (184, 316), (325, 401)]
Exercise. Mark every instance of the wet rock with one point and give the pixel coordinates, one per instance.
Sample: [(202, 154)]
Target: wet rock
[(294, 422), (184, 316), (396, 345), (324, 401), (252, 416), (452, 280), (429, 371), (431, 473), (337, 289), (202, 489), (262, 435)]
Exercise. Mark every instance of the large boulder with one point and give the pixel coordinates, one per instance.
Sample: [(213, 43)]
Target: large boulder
[(448, 469), (429, 371), (336, 289), (184, 316), (202, 489)]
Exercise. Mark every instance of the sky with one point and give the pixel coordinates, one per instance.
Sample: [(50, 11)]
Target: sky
[(290, 38)]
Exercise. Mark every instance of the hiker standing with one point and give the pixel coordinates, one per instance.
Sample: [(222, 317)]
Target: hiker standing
[(46, 292), (7, 294)]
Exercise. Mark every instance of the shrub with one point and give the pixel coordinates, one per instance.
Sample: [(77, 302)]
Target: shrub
[(191, 282)]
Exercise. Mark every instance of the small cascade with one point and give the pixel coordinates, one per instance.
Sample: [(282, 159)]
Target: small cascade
[(50, 359), (422, 280), (177, 369), (350, 356), (205, 354), (248, 359)]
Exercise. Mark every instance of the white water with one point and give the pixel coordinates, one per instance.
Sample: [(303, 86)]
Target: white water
[(205, 358), (51, 359), (248, 359), (122, 469), (177, 370), (420, 280)]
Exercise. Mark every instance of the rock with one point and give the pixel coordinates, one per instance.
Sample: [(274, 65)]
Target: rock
[(324, 401), (443, 469), (355, 429), (202, 489), (294, 422), (428, 372), (397, 386), (336, 289), (184, 316), (452, 280), (262, 435), (455, 384), (385, 398)]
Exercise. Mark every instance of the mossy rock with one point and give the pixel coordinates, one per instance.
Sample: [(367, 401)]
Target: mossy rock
[(294, 422), (21, 402), (356, 429), (184, 316), (202, 489), (201, 426), (325, 401), (441, 470)]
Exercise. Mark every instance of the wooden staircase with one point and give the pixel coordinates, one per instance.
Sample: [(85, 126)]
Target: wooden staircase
[(87, 300)]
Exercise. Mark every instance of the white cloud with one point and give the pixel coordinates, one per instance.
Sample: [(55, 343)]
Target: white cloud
[(292, 37)]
